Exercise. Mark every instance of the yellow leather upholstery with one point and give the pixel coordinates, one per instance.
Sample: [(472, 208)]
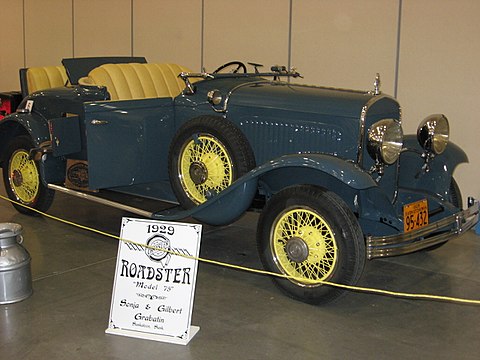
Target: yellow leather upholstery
[(46, 77), (137, 81)]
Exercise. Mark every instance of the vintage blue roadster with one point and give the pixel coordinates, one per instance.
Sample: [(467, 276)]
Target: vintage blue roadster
[(334, 177)]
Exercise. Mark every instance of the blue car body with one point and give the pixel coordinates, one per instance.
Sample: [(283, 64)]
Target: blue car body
[(298, 135)]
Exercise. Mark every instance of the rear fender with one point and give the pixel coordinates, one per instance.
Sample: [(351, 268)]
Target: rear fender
[(32, 124), (22, 124)]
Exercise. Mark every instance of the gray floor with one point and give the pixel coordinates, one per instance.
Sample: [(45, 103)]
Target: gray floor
[(241, 316)]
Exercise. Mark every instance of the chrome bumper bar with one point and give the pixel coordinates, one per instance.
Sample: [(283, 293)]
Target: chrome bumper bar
[(393, 245)]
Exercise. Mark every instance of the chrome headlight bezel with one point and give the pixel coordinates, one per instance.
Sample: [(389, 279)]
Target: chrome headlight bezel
[(433, 133), (385, 141)]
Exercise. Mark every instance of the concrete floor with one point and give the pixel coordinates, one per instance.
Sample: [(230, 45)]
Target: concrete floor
[(241, 316)]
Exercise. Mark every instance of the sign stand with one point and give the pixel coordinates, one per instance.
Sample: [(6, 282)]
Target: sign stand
[(155, 280), (163, 338)]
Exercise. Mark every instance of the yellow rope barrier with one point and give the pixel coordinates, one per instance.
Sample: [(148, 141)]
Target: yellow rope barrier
[(257, 271)]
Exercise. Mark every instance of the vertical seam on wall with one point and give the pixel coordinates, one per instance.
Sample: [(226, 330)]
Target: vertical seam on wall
[(202, 35), (397, 59), (73, 28), (131, 28), (290, 15), (24, 36)]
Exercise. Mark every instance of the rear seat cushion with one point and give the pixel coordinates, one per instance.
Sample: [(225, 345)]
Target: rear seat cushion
[(46, 77), (137, 81)]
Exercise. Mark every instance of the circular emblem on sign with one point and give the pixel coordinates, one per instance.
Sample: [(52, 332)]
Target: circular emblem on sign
[(158, 248), (77, 174)]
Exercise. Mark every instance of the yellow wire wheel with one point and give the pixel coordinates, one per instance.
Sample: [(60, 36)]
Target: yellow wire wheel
[(205, 167), (304, 246), (22, 178), (206, 156), (309, 235)]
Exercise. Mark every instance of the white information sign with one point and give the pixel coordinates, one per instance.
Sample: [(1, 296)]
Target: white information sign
[(154, 289)]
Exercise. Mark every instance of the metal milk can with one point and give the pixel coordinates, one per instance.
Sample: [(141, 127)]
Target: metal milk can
[(15, 272)]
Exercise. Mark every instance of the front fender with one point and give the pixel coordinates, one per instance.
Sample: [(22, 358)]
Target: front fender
[(297, 169), (440, 170), (345, 178)]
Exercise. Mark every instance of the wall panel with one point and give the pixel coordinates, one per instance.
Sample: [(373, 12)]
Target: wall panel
[(11, 58), (168, 31), (439, 73), (102, 28), (48, 31), (345, 43), (341, 43), (247, 30)]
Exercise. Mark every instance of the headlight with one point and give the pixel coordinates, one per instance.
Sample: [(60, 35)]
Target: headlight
[(433, 133), (385, 141)]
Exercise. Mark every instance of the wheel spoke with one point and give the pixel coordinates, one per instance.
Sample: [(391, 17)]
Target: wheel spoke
[(314, 231), (24, 179), (209, 152)]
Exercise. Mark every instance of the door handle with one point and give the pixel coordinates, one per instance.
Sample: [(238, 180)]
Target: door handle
[(98, 122)]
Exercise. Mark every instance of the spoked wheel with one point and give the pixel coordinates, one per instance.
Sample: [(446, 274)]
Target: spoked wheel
[(309, 235), (206, 156), (22, 178)]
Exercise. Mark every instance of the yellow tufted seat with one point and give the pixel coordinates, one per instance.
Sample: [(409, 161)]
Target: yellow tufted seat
[(137, 81), (46, 77)]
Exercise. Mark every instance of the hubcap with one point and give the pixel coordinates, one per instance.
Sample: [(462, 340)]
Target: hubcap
[(198, 173), (303, 246), (297, 250), (17, 178)]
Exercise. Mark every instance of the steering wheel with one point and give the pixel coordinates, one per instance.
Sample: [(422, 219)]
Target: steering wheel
[(232, 67)]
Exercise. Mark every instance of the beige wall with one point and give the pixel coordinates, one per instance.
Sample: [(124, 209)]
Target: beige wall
[(439, 73), (339, 43), (48, 31), (12, 55), (168, 31), (101, 28), (345, 43)]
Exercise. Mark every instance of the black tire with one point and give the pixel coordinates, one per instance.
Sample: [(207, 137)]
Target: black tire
[(22, 178), (320, 240), (206, 156)]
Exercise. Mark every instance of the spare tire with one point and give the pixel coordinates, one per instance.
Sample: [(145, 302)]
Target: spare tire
[(206, 156)]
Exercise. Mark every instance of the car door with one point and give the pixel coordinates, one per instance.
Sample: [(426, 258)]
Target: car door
[(127, 141)]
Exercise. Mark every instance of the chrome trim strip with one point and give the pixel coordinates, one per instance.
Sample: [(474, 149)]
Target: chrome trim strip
[(363, 117), (361, 133), (99, 200), (227, 97), (393, 245)]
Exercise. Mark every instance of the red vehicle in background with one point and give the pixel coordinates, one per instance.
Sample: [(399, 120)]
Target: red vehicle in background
[(9, 102)]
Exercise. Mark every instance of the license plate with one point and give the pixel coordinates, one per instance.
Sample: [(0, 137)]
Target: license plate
[(415, 215)]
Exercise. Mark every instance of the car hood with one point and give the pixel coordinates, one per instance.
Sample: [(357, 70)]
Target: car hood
[(301, 98)]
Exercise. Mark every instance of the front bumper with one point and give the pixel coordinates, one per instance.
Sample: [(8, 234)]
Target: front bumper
[(393, 245)]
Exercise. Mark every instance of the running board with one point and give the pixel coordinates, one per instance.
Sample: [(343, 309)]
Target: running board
[(99, 200)]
